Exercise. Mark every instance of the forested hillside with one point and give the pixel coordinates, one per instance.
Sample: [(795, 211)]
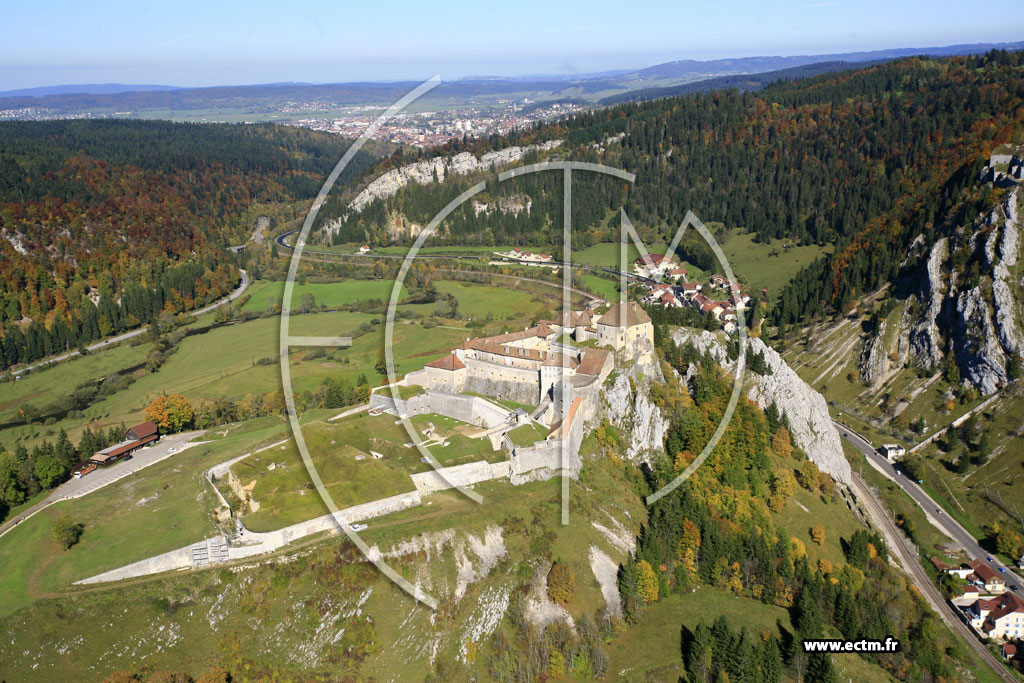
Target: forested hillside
[(107, 224), (863, 159)]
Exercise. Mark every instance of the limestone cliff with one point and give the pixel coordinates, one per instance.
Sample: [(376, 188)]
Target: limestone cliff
[(435, 170), (966, 300), (810, 423), (627, 404)]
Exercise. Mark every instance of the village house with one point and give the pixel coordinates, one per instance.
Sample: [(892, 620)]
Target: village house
[(365, 249), (656, 266), (893, 451), (999, 617), (986, 577), (963, 571), (690, 289)]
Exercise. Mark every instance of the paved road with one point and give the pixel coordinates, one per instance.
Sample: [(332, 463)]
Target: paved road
[(909, 560), (242, 286), (76, 488), (936, 515)]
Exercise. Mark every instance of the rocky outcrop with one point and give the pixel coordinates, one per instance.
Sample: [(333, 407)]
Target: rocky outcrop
[(978, 351), (972, 313), (635, 414), (925, 340), (437, 169), (513, 204), (810, 423), (874, 361), (1004, 302)]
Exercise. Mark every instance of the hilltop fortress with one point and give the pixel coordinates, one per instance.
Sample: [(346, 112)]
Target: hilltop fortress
[(557, 368), (535, 365)]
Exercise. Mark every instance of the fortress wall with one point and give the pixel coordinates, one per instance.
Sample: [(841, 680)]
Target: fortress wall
[(513, 384), (459, 475), (175, 559), (468, 409), (491, 414), (520, 392)]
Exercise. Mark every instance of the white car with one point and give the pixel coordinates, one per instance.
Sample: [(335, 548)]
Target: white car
[(172, 450), (359, 527)]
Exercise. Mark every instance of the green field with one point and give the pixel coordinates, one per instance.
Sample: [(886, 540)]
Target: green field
[(604, 287), (329, 294), (528, 434), (756, 265), (341, 451), (770, 266), (166, 506), (240, 358), (655, 642)]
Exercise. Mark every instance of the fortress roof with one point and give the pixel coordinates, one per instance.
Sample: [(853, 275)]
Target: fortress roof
[(625, 315), (562, 428), (561, 360), (592, 362), (449, 362), (489, 346)]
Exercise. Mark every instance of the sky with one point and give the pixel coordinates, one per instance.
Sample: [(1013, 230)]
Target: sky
[(210, 42)]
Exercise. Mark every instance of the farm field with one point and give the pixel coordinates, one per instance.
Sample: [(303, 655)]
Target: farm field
[(604, 287), (757, 266), (987, 493), (330, 294)]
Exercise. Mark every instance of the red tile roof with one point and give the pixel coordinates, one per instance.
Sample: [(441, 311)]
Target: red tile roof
[(450, 362), (593, 361), (651, 259), (985, 572), (144, 429)]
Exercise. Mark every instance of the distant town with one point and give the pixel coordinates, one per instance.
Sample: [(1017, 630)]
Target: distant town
[(420, 129)]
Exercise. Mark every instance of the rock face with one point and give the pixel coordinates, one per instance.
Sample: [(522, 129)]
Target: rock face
[(873, 360), (810, 424), (978, 351), (925, 340), (635, 414), (436, 170), (974, 316)]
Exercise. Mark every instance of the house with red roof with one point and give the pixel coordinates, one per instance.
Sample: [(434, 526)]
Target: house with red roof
[(999, 617)]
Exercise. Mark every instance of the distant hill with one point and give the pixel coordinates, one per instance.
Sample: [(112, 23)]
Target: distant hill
[(138, 212), (742, 82), (749, 65), (104, 99), (89, 88)]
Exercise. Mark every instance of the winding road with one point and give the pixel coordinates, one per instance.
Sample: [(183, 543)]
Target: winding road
[(242, 286), (907, 554), (938, 517)]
